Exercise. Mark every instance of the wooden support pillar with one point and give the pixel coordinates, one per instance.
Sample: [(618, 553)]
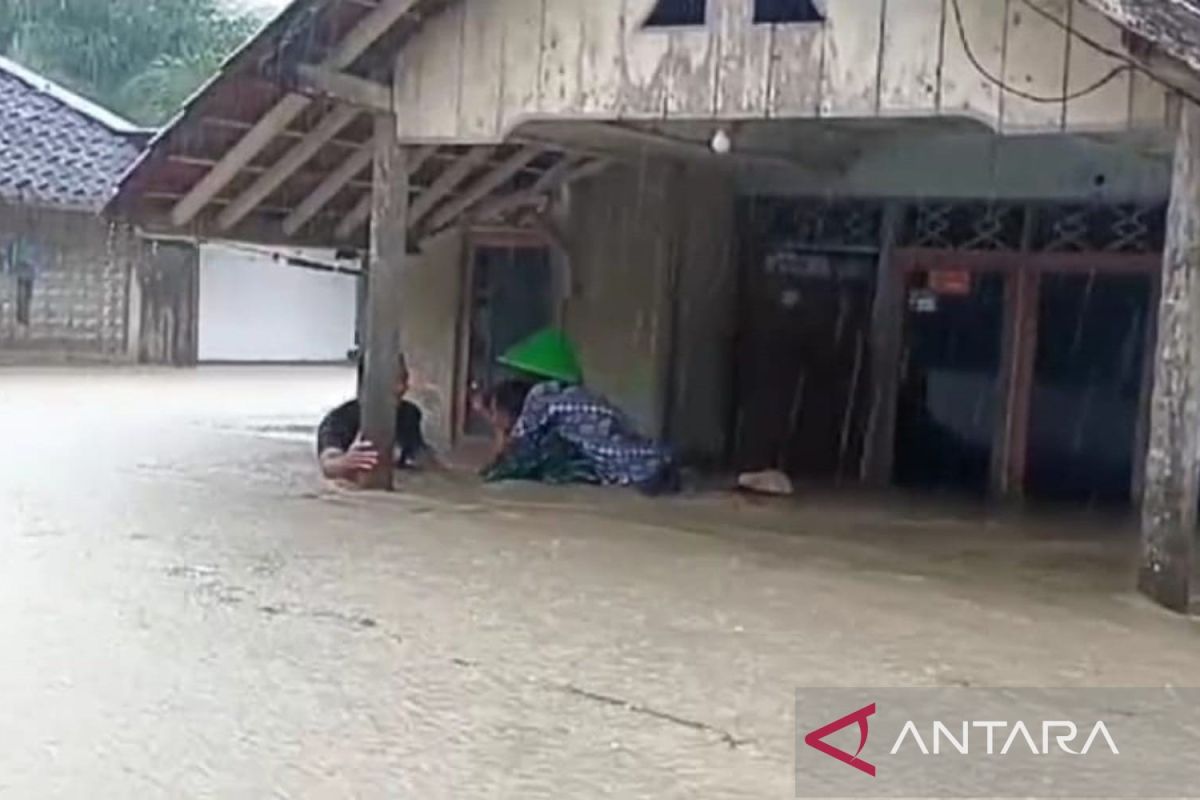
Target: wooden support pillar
[(1172, 460), (389, 225), (887, 342), (1022, 295)]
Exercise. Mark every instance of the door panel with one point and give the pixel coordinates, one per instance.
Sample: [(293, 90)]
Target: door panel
[(1087, 386), (803, 364), (946, 416), (512, 300)]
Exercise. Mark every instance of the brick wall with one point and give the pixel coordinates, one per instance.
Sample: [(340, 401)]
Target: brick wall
[(79, 268)]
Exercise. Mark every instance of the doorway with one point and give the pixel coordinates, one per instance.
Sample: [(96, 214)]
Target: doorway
[(803, 363), (512, 298), (947, 407), (1088, 386)]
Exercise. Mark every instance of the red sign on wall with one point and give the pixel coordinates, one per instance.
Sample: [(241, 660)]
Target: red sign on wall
[(954, 282)]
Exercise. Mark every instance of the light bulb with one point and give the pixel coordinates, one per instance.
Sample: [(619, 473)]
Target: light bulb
[(721, 143)]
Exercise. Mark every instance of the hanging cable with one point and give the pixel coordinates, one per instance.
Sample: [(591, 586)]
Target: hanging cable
[(1033, 98)]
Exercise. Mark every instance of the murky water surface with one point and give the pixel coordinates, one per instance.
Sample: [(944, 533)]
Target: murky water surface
[(186, 611)]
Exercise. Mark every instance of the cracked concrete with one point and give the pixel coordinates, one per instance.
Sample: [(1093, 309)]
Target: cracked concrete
[(186, 611)]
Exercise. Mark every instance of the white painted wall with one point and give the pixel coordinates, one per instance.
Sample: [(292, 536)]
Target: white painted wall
[(254, 307)]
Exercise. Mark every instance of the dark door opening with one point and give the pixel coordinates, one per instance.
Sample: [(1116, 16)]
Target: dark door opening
[(512, 299), (1087, 387), (803, 370), (946, 415)]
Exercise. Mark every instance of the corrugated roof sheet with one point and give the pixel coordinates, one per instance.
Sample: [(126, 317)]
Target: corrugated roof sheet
[(57, 149)]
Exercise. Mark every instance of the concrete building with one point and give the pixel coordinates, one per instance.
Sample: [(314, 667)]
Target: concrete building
[(914, 242)]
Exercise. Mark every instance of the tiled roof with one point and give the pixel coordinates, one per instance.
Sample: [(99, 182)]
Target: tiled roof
[(57, 149)]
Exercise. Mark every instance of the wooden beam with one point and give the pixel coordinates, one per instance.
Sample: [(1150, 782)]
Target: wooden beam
[(237, 125), (489, 183), (355, 43), (887, 344), (367, 32), (563, 173), (389, 249), (285, 167), (1010, 441), (316, 177), (241, 154), (1173, 460), (328, 189), (349, 89), (361, 212), (355, 219), (448, 181)]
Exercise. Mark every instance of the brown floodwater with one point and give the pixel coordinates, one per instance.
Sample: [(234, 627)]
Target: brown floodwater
[(187, 611)]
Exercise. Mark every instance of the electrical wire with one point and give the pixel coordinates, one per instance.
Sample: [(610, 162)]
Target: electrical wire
[(1033, 98)]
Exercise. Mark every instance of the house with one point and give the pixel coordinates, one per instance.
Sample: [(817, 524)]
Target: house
[(75, 287), (68, 289), (915, 242)]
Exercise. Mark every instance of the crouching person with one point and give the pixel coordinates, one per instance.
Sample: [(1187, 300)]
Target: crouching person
[(556, 430), (343, 453)]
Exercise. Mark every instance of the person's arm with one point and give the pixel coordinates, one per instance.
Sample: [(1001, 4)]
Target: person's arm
[(348, 464), (536, 418), (340, 452)]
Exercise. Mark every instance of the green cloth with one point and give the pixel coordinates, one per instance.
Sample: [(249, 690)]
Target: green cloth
[(547, 354), (554, 461)]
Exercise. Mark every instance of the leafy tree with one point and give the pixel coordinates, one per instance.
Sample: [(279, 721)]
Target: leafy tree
[(142, 58)]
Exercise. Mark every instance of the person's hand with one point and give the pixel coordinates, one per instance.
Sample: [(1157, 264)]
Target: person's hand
[(361, 457)]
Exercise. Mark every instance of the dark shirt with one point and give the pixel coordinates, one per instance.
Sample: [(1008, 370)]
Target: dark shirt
[(340, 429)]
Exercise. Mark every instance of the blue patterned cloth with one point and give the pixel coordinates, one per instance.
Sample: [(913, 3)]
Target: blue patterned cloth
[(601, 432)]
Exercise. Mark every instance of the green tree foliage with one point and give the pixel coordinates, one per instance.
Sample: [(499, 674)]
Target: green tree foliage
[(141, 58)]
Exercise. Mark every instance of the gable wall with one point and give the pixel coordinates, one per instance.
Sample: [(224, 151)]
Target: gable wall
[(482, 67)]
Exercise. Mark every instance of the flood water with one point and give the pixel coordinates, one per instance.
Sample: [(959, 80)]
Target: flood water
[(187, 611)]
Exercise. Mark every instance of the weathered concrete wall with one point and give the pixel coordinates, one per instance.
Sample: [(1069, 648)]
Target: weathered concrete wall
[(430, 329), (80, 268), (653, 304), (168, 279), (705, 315), (618, 234), (981, 165)]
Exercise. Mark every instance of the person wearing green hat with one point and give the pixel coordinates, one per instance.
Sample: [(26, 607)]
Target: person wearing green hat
[(547, 355), (549, 418)]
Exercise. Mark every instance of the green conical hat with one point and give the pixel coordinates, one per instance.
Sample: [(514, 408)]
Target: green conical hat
[(547, 354)]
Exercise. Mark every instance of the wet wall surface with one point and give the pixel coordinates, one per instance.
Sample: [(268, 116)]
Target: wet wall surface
[(186, 611)]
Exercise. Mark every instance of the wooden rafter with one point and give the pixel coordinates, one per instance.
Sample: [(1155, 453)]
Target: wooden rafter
[(328, 189), (447, 182), (358, 216), (238, 156), (349, 89), (489, 183), (563, 173), (285, 167), (311, 176), (361, 36)]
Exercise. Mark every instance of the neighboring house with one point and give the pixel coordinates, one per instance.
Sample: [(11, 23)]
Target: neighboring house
[(66, 275), (913, 242), (76, 287)]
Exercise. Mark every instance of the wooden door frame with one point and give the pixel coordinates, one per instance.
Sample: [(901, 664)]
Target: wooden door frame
[(1023, 271), (475, 238)]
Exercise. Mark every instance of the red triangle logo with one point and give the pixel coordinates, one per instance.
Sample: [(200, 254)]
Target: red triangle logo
[(816, 739)]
